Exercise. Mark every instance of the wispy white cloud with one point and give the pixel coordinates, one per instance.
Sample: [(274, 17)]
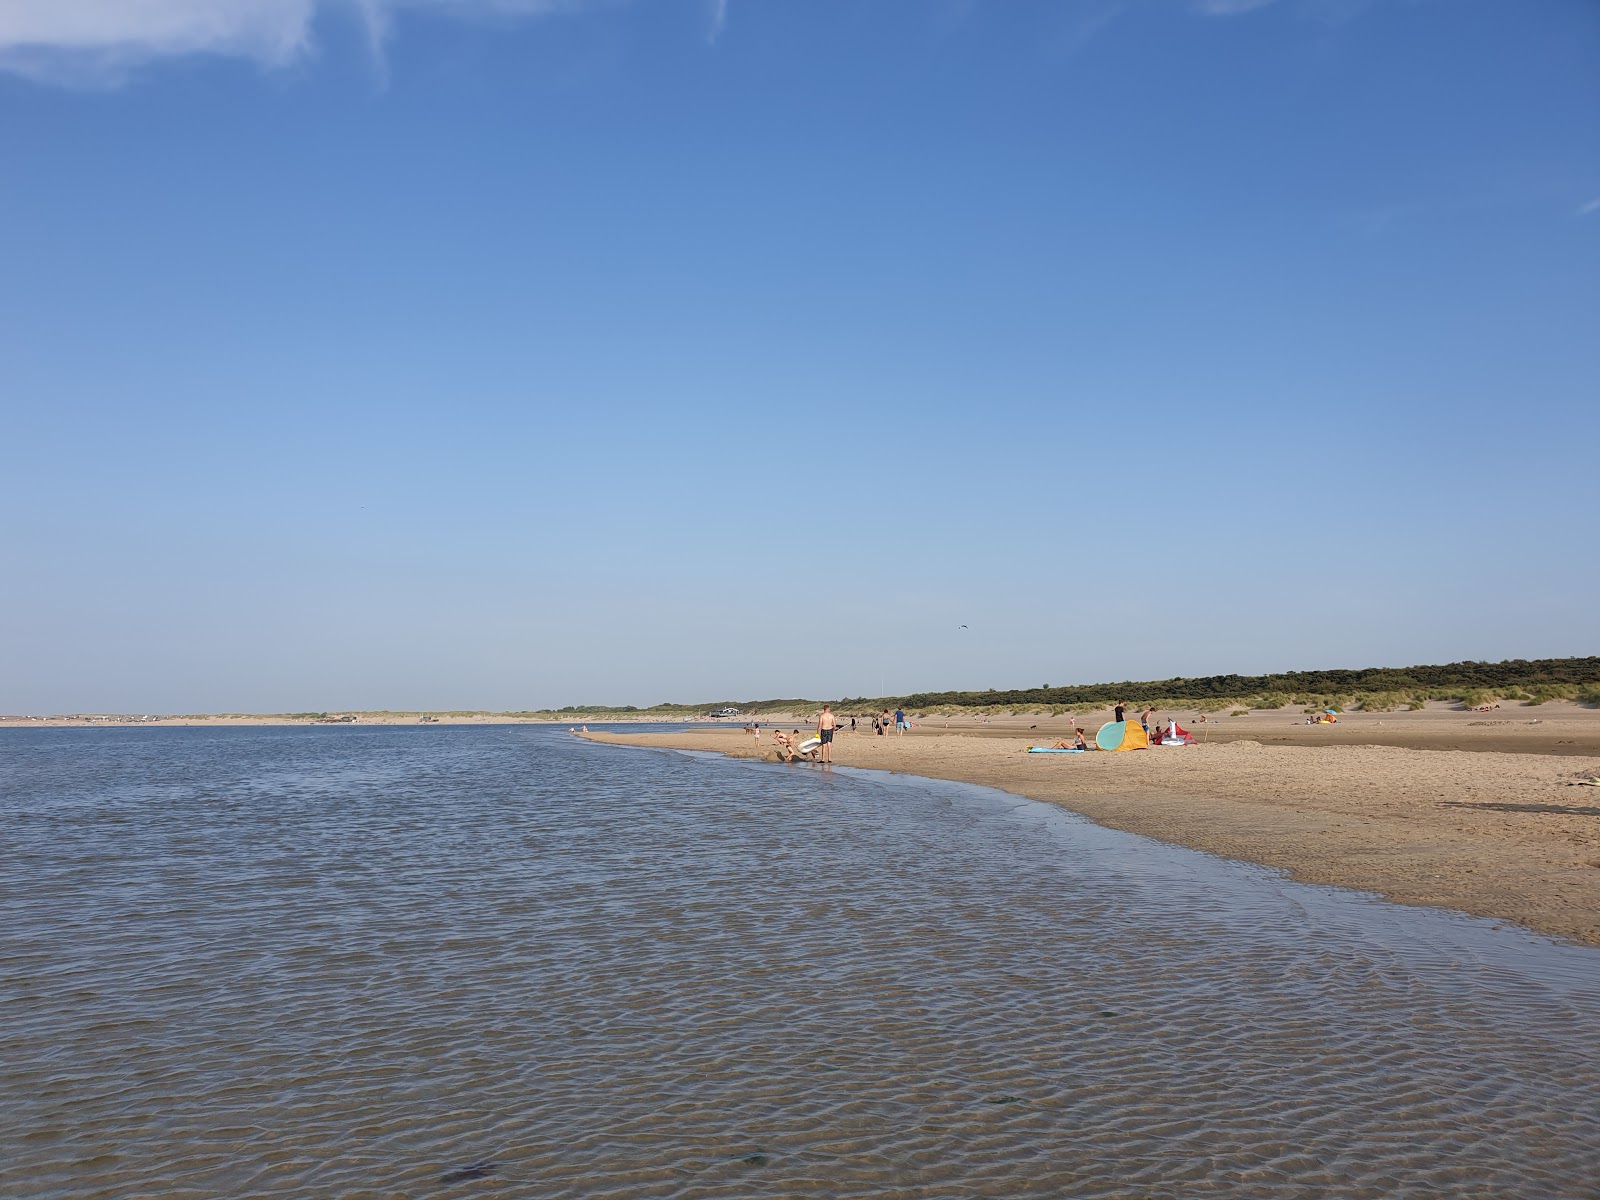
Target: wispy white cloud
[(1229, 8), (89, 41), (1589, 209), (1088, 21), (719, 19)]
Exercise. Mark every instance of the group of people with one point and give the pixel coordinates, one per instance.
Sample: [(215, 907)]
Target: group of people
[(789, 746), (880, 722), (819, 748), (1155, 734)]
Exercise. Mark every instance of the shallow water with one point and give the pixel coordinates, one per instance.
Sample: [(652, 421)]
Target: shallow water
[(505, 962)]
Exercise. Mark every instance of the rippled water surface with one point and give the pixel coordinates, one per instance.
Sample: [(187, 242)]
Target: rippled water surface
[(505, 962)]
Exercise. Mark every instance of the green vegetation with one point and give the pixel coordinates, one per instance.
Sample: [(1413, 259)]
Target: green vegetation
[(1551, 678), (1382, 701), (1373, 689), (1543, 692)]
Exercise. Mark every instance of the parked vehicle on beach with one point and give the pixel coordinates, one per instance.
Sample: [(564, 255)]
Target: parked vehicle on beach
[(724, 712)]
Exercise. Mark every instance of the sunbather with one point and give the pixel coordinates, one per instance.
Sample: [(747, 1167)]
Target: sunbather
[(1077, 742)]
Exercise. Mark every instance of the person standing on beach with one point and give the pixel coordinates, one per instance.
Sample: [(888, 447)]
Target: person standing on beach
[(826, 724), (1120, 709), (900, 725)]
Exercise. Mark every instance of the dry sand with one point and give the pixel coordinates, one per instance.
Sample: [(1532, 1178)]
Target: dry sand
[(1498, 834), (1559, 727)]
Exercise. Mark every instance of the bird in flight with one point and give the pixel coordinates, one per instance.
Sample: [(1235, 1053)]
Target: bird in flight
[(963, 627)]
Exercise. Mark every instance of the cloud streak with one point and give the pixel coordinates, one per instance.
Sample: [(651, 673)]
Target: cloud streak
[(1229, 8), (101, 40)]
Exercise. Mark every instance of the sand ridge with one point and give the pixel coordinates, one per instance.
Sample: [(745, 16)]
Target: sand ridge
[(1496, 834)]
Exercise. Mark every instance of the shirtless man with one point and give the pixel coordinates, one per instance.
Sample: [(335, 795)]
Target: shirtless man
[(826, 724), (785, 746)]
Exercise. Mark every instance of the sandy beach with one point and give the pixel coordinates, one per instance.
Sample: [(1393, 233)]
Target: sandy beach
[(1496, 824)]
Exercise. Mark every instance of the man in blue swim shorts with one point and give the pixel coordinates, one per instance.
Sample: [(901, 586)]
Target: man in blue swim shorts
[(826, 724)]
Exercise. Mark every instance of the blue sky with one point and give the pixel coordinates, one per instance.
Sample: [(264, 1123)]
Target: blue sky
[(497, 354)]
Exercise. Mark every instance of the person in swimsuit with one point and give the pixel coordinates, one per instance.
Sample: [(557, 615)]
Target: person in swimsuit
[(826, 724)]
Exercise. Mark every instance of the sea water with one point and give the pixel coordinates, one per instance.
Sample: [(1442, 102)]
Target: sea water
[(502, 961)]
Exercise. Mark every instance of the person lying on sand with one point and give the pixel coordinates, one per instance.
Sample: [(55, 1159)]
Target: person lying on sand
[(1077, 742)]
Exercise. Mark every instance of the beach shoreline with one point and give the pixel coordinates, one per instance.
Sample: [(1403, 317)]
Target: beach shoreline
[(1506, 835), (251, 721), (1556, 728)]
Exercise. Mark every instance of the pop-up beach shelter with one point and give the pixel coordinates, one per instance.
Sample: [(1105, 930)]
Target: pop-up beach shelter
[(1178, 736), (1121, 735)]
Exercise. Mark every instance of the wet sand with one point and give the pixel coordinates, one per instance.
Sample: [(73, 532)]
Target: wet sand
[(1496, 834)]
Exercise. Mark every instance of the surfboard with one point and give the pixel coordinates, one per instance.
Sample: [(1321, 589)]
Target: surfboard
[(1053, 750)]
